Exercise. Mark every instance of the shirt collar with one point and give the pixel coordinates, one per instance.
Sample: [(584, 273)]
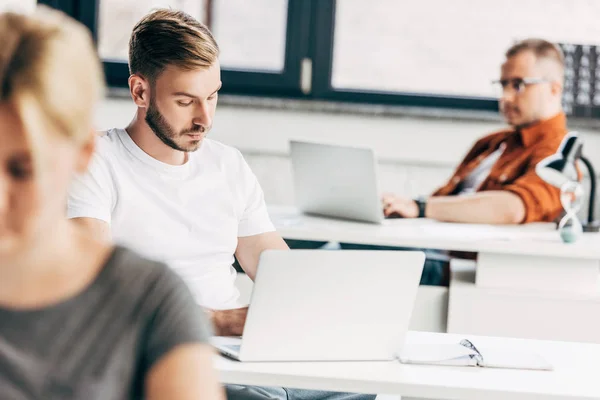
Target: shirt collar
[(532, 134)]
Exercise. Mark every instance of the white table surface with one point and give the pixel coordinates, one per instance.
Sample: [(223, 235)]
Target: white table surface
[(540, 239), (576, 374)]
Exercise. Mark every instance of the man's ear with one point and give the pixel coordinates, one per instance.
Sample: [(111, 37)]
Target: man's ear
[(556, 88), (86, 152), (139, 88)]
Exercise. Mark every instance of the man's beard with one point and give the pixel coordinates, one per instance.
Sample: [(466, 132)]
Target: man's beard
[(161, 128)]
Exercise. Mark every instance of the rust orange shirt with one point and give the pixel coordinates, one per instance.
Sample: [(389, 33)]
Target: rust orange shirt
[(515, 169)]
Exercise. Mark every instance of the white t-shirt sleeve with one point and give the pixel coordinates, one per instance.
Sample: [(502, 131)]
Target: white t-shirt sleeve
[(255, 218), (92, 194)]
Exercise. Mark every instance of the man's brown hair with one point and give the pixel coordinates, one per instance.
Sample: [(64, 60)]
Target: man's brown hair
[(540, 48), (170, 37)]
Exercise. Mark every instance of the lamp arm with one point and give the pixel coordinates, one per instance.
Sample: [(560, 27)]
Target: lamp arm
[(593, 178)]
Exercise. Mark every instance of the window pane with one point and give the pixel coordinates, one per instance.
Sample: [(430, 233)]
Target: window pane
[(118, 17), (442, 47), (23, 6), (251, 33)]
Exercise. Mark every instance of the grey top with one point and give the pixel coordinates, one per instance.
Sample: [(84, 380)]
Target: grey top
[(101, 343)]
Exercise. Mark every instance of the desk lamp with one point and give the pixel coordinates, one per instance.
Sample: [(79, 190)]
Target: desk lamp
[(560, 170)]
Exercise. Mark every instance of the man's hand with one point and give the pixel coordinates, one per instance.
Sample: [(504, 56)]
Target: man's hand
[(399, 206), (228, 322)]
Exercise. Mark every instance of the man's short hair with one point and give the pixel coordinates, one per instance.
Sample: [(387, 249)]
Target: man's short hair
[(541, 48), (170, 37)]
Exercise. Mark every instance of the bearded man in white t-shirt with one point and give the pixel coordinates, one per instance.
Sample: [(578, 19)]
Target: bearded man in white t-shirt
[(162, 188)]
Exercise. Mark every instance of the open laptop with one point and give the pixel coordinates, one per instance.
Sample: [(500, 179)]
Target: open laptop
[(336, 181), (319, 305)]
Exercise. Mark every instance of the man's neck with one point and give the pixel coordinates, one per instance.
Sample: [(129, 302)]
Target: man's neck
[(543, 117), (146, 139)]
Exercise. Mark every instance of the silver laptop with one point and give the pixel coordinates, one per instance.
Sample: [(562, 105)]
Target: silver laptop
[(319, 305), (336, 181)]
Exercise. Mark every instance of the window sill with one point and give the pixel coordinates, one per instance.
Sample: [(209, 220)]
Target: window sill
[(372, 110)]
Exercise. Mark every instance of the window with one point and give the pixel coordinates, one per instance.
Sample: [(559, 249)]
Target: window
[(448, 48), (113, 22), (251, 34), (117, 18), (429, 53), (262, 41)]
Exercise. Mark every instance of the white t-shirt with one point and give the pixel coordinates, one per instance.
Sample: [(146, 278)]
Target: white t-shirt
[(472, 182), (189, 216)]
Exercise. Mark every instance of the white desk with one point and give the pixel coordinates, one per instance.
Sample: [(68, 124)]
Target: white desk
[(516, 267), (575, 374)]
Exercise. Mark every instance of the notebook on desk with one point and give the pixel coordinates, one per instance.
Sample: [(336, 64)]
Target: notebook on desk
[(466, 354)]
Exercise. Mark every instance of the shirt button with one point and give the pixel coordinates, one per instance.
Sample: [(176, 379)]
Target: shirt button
[(456, 179), (503, 177)]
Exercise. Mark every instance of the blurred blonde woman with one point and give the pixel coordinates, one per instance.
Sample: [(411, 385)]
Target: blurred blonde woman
[(79, 319)]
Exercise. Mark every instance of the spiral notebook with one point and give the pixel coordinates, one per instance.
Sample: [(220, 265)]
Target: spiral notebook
[(467, 355)]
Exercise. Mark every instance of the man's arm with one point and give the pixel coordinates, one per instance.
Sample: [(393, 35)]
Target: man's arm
[(527, 199), (231, 322), (250, 247), (490, 207)]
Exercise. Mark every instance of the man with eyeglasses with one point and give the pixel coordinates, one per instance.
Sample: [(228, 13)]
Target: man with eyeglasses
[(496, 182)]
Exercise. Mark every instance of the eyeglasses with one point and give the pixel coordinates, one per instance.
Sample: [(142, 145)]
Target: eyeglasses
[(518, 85)]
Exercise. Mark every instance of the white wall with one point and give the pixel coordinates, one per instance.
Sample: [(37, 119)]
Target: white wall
[(416, 155)]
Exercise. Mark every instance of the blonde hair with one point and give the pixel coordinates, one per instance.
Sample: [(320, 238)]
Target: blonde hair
[(170, 37), (50, 72)]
